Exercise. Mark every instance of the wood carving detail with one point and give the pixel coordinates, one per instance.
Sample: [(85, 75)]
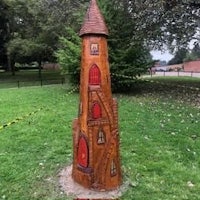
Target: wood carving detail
[(101, 137), (94, 75), (96, 110), (96, 160), (83, 156), (94, 49)]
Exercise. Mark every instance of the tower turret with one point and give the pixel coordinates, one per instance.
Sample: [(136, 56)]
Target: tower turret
[(94, 22), (96, 161)]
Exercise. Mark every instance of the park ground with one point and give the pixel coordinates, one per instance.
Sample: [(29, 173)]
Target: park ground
[(159, 129)]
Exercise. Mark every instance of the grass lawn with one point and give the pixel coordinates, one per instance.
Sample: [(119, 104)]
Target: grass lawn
[(160, 141)]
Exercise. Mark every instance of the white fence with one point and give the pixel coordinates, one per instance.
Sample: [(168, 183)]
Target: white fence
[(191, 74)]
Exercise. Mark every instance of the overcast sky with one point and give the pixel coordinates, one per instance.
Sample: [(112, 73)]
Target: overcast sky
[(158, 55)]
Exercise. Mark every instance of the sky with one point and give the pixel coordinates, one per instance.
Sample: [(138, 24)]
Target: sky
[(158, 55)]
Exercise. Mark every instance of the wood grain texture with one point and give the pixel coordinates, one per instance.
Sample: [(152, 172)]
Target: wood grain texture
[(96, 163)]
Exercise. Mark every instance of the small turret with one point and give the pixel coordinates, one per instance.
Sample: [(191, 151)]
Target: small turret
[(94, 22)]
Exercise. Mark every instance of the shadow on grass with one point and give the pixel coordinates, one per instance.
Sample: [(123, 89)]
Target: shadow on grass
[(182, 89)]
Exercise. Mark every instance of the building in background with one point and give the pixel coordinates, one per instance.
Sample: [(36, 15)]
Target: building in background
[(192, 66)]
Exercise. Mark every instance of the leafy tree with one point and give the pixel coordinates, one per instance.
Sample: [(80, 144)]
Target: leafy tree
[(27, 51), (169, 22), (30, 38), (21, 21), (135, 26), (194, 54), (196, 50), (3, 32), (179, 57), (69, 54), (189, 57), (35, 28), (127, 57), (129, 54)]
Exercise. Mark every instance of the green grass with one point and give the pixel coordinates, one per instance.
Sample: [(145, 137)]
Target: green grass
[(185, 81), (33, 150), (160, 142)]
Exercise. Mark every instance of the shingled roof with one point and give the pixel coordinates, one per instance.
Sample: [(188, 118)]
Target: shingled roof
[(94, 22)]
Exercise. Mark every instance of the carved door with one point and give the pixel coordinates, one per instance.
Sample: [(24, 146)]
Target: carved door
[(83, 156), (96, 111), (94, 75)]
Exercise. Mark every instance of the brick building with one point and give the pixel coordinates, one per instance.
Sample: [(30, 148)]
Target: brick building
[(192, 66)]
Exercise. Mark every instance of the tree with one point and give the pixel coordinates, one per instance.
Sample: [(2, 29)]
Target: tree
[(69, 55), (3, 32), (28, 51), (179, 57), (35, 28), (194, 54), (135, 26), (170, 22), (196, 50), (127, 57), (29, 36)]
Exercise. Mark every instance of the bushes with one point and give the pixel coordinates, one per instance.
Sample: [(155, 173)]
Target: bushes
[(69, 55)]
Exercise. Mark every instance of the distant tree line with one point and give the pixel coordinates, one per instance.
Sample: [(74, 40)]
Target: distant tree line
[(184, 55)]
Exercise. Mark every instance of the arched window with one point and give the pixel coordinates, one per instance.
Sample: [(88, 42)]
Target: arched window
[(94, 75), (101, 137), (94, 49), (83, 156), (96, 111), (113, 168)]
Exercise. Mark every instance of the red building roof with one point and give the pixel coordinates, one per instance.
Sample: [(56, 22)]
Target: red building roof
[(94, 22)]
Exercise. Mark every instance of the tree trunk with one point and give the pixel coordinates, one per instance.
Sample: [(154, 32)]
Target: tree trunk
[(13, 67), (8, 68), (40, 68)]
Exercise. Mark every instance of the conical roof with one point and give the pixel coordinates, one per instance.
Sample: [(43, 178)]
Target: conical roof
[(94, 22)]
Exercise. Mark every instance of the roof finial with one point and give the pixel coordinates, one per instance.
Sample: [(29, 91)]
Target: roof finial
[(94, 22)]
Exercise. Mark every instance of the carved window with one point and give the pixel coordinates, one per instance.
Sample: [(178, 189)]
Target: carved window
[(101, 137), (94, 49), (83, 156), (113, 168), (94, 75), (96, 111)]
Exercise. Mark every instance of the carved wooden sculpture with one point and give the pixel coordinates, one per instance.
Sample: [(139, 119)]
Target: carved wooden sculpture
[(96, 159)]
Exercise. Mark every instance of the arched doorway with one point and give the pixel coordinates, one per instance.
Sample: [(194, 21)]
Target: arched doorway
[(83, 155), (96, 111)]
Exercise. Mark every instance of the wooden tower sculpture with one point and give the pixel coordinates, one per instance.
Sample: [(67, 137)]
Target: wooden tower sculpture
[(96, 159)]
